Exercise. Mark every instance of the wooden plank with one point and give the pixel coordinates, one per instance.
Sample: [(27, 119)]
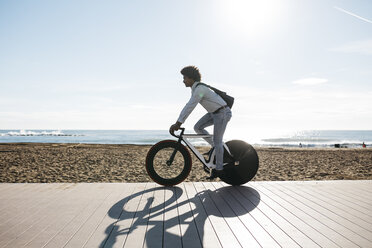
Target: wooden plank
[(172, 229), (240, 223), (12, 190), (360, 218), (221, 227), (279, 216), (31, 216), (339, 194), (122, 226), (87, 229), (93, 197), (68, 211), (17, 220), (302, 220), (8, 189), (104, 228), (238, 201), (313, 218), (351, 186), (17, 198), (336, 222), (356, 196), (189, 232), (207, 234), (4, 187), (348, 197), (41, 223), (352, 190), (287, 214), (137, 233), (363, 186), (155, 225)]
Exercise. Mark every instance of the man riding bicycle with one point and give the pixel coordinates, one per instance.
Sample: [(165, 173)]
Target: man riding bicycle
[(219, 114)]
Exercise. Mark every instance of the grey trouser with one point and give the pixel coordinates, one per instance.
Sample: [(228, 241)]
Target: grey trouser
[(219, 120)]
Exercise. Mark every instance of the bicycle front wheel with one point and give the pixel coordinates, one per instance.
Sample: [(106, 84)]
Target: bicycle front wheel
[(168, 163)]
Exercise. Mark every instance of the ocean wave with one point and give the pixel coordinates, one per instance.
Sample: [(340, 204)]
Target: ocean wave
[(35, 133), (300, 139), (310, 143), (306, 139)]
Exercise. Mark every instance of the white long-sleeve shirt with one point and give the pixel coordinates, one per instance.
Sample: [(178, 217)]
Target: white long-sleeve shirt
[(203, 95)]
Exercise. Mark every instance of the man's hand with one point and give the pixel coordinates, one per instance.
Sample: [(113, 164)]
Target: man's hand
[(175, 127)]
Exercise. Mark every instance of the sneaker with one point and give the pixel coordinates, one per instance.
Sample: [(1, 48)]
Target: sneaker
[(229, 164)]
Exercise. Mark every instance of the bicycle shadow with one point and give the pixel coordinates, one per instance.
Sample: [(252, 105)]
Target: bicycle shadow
[(147, 209)]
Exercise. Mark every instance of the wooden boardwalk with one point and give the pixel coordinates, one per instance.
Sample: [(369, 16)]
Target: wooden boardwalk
[(202, 214)]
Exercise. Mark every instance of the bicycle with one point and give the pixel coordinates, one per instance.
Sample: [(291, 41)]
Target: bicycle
[(169, 162)]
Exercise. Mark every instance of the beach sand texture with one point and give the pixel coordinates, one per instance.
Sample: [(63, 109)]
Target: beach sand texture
[(42, 162)]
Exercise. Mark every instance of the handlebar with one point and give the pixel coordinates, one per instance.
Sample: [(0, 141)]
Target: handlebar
[(177, 136)]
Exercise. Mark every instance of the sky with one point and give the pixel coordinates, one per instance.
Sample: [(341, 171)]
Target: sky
[(291, 65)]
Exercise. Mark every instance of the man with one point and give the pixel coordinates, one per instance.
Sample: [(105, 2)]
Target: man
[(219, 114)]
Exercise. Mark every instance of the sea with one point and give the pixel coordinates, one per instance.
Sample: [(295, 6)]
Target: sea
[(305, 138)]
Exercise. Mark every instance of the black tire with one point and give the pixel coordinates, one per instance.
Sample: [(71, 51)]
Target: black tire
[(246, 165), (156, 163)]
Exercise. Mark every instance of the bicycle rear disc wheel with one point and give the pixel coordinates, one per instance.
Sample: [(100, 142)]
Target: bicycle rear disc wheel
[(245, 166), (158, 164)]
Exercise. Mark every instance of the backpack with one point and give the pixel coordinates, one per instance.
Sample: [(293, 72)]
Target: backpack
[(228, 99)]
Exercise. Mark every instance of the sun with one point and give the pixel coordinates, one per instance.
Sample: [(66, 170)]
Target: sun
[(250, 17)]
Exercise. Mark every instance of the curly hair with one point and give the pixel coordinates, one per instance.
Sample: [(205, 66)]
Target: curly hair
[(191, 72)]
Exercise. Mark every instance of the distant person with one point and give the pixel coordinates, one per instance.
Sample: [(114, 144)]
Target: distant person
[(219, 114), (300, 145), (364, 145)]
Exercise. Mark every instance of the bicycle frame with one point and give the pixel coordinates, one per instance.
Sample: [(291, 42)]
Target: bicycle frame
[(184, 137)]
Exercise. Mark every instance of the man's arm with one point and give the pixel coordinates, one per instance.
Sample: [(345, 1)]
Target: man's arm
[(186, 111), (190, 106)]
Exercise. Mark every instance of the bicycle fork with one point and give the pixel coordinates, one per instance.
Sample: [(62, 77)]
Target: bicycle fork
[(170, 161)]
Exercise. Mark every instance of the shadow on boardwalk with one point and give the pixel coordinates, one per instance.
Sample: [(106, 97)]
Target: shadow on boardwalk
[(163, 208)]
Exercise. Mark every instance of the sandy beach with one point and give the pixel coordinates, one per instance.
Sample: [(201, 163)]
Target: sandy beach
[(42, 162)]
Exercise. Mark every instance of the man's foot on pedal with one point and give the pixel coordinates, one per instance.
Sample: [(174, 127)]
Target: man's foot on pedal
[(228, 164), (215, 173)]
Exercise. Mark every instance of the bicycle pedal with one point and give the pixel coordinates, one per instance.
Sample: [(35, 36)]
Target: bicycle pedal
[(211, 177), (206, 169), (215, 174)]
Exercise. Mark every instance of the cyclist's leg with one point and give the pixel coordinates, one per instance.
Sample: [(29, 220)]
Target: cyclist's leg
[(205, 121), (220, 122)]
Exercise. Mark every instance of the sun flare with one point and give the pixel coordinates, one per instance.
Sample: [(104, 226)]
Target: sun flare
[(250, 17)]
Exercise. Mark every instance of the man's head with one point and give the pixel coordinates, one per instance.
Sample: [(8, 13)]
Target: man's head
[(191, 75)]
